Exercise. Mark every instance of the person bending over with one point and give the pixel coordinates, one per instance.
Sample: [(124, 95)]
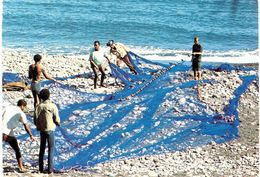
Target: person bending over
[(121, 52), (12, 117)]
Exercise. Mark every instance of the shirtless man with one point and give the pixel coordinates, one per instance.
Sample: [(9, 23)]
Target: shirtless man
[(35, 73)]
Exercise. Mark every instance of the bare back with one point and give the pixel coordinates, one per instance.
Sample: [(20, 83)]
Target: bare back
[(35, 72)]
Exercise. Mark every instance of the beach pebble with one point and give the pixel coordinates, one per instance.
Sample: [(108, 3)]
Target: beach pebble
[(238, 157), (182, 101)]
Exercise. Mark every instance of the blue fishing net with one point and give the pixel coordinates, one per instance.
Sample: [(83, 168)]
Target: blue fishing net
[(10, 77), (158, 111)]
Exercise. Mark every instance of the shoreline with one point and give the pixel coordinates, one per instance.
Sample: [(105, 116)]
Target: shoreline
[(172, 56), (239, 157)]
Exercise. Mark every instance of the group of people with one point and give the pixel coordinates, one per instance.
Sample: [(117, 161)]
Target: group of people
[(46, 118), (46, 114), (99, 58)]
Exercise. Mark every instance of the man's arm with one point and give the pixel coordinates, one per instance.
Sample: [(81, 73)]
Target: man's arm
[(47, 76), (56, 117), (108, 57), (91, 60), (30, 72), (108, 60), (26, 126), (28, 130), (35, 116)]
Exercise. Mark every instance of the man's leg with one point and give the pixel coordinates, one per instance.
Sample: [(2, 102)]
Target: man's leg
[(118, 62), (195, 75), (129, 64), (96, 75), (198, 75), (35, 98), (51, 147), (195, 69), (42, 149), (199, 71), (14, 144), (103, 74)]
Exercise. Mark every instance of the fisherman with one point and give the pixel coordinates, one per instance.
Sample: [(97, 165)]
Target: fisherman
[(35, 72), (11, 117), (98, 62), (196, 58), (46, 118), (121, 52)]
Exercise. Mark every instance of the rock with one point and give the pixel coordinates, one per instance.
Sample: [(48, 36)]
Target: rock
[(182, 101), (152, 174), (117, 125)]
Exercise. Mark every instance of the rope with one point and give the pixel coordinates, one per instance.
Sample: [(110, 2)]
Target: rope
[(155, 77), (77, 145)]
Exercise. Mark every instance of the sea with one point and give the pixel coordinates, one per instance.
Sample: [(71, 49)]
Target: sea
[(155, 29)]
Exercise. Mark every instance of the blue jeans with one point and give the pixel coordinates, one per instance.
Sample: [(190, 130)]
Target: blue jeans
[(47, 136)]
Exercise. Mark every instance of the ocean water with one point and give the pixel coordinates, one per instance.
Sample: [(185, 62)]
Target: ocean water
[(158, 29)]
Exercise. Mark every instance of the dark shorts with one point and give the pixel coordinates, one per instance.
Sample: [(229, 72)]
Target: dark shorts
[(196, 66)]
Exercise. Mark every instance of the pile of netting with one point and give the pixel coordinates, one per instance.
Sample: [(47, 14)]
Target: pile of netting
[(151, 115)]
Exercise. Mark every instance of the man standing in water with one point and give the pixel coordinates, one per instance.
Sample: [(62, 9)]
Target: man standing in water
[(35, 72), (98, 60), (196, 58)]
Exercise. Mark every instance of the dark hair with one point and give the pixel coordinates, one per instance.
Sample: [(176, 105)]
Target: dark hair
[(44, 94), (37, 57), (21, 103), (110, 42), (97, 42)]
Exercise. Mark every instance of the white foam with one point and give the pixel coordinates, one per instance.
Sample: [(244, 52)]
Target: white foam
[(232, 56), (240, 59), (158, 54)]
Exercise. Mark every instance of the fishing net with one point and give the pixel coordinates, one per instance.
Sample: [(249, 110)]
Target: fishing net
[(158, 111)]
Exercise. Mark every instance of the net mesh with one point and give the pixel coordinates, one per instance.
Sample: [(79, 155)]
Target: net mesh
[(151, 115)]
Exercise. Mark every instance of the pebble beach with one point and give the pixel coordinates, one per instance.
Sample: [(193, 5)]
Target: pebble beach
[(239, 157)]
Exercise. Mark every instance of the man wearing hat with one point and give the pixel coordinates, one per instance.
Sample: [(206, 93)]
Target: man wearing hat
[(121, 52)]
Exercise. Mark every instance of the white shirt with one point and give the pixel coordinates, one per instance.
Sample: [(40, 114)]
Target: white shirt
[(11, 118), (98, 56)]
